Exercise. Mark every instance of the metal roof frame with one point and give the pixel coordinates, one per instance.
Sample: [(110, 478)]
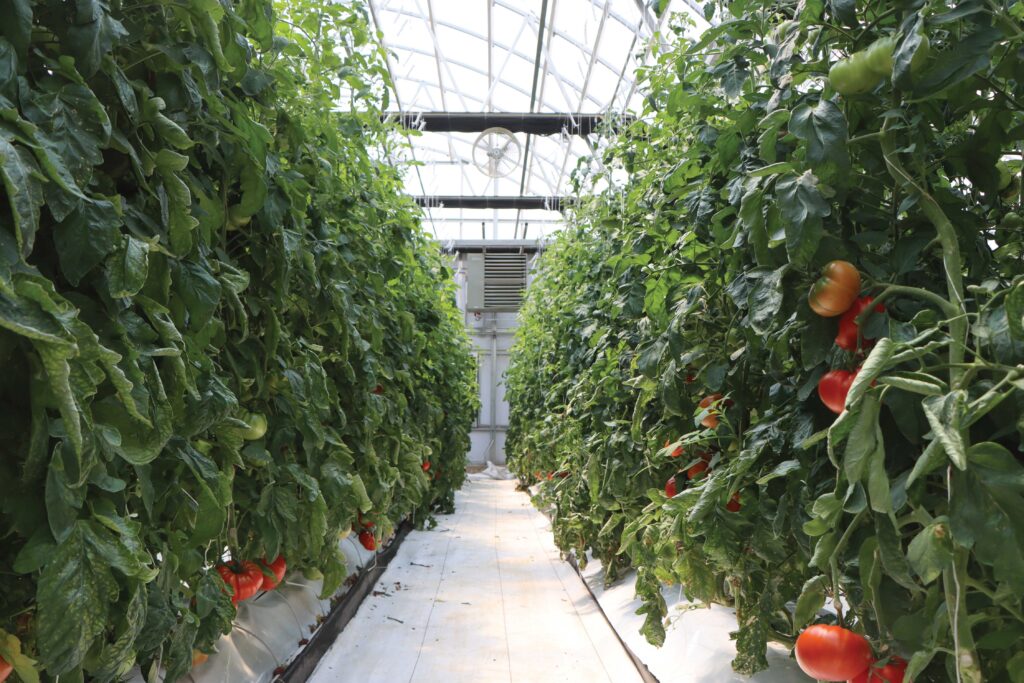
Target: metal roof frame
[(600, 81)]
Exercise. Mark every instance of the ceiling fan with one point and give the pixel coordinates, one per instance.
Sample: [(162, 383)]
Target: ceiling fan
[(496, 152)]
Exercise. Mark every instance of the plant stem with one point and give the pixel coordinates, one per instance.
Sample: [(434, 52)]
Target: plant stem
[(862, 138), (984, 590), (951, 260), (954, 582), (953, 578), (944, 305)]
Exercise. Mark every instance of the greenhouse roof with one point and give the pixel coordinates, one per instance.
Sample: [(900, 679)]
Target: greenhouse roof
[(522, 56)]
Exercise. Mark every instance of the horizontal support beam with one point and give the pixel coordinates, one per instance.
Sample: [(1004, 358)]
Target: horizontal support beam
[(537, 124), (459, 202)]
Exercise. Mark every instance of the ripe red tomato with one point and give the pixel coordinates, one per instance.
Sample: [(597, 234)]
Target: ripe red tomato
[(711, 419), (676, 452), (378, 390), (833, 387), (426, 466), (5, 670), (365, 523), (832, 653), (833, 293), (245, 579), (734, 504), (278, 567), (848, 337), (367, 539), (700, 467), (891, 672), (670, 487)]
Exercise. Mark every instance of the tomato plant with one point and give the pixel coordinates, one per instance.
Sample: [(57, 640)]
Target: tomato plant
[(684, 273), (206, 267)]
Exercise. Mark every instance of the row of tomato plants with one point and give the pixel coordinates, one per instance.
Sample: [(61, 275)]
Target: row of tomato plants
[(777, 356), (226, 338)]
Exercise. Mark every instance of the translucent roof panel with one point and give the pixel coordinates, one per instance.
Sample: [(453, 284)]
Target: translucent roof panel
[(532, 56)]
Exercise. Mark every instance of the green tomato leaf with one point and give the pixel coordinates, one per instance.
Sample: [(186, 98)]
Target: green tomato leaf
[(128, 268), (890, 551), (865, 440), (10, 650), (75, 582), (823, 128), (812, 599), (931, 550), (86, 237), (945, 415), (802, 207)]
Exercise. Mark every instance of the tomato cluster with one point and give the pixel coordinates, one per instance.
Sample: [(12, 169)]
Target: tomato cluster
[(833, 653), (675, 483), (836, 293), (863, 70), (248, 578)]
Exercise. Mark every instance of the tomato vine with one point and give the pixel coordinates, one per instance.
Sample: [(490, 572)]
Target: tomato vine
[(685, 273), (221, 323)]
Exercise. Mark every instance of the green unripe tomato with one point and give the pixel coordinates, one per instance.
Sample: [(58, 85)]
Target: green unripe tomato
[(1012, 221), (924, 51), (1010, 192), (851, 76), (257, 427), (237, 217), (1004, 175), (878, 56)]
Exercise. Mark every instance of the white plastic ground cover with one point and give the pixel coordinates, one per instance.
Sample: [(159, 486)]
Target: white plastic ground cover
[(697, 645), (484, 597), (272, 628)]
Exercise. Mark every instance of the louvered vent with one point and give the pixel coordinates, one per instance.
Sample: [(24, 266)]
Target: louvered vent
[(504, 280)]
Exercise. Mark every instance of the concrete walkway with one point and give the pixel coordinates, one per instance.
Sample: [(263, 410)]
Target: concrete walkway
[(482, 598)]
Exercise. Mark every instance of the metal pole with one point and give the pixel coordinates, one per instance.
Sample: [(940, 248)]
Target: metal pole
[(494, 388)]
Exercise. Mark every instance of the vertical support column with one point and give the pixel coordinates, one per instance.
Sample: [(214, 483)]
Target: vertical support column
[(494, 387)]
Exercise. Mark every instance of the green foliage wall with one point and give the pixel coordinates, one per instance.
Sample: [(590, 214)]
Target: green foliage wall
[(193, 235), (690, 277)]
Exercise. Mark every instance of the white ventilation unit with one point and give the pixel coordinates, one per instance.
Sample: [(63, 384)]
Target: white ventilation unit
[(495, 281)]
